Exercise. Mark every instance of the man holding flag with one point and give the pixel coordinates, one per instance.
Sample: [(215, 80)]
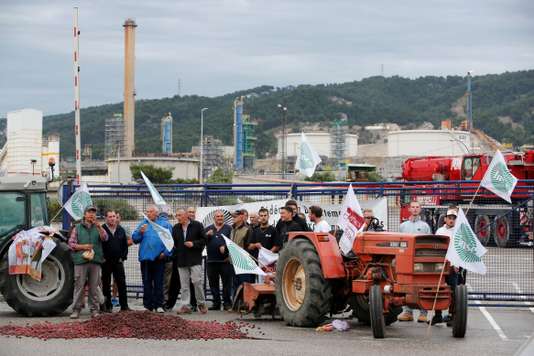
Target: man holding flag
[(152, 256)]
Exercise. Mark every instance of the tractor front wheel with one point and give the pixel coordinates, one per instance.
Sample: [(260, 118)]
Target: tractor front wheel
[(376, 309), (303, 295), (459, 321)]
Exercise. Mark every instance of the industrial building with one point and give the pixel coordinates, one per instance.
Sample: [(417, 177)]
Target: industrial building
[(182, 168), (114, 136), (23, 149), (244, 138), (166, 134), (321, 142), (249, 143), (428, 143), (50, 157)]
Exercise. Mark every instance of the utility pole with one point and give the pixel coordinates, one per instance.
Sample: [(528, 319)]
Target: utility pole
[(283, 112), (76, 68), (201, 176)]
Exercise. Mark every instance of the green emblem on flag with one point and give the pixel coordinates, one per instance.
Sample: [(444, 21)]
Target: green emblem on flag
[(465, 244), (501, 178), (241, 261), (80, 201)]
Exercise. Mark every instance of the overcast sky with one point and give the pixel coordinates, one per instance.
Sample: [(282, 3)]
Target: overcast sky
[(216, 47)]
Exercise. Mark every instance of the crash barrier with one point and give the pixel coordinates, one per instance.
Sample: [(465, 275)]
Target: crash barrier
[(505, 229)]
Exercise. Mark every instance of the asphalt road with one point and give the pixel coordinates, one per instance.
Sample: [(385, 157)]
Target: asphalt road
[(506, 333)]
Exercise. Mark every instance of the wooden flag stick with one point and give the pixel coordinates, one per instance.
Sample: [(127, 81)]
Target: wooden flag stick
[(428, 333)]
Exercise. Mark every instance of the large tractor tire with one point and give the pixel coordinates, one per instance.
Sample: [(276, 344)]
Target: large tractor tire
[(360, 310), (459, 321), (49, 296), (376, 311), (303, 295), (502, 231), (483, 228)]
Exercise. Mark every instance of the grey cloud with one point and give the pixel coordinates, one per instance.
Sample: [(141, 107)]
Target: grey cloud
[(218, 46)]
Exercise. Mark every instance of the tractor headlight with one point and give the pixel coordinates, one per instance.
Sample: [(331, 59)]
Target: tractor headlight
[(438, 267), (418, 267)]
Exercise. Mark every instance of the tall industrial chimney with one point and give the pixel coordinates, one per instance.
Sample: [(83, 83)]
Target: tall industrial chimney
[(129, 87)]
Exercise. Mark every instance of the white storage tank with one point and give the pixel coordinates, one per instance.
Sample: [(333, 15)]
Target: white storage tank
[(428, 143), (24, 141)]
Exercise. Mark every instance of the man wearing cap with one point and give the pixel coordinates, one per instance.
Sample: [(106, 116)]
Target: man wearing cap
[(85, 241), (241, 235), (455, 276)]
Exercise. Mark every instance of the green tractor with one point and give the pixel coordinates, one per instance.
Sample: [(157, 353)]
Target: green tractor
[(23, 205)]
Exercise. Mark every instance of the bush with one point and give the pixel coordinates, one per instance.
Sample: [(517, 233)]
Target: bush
[(155, 174), (121, 206), (323, 176), (220, 176)]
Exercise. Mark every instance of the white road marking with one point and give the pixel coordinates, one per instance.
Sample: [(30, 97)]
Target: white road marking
[(490, 319), (516, 286)]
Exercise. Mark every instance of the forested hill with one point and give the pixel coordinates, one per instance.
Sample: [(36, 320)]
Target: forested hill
[(503, 106)]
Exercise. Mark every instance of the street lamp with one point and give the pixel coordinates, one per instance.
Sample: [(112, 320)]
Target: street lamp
[(201, 178), (283, 112), (33, 162)]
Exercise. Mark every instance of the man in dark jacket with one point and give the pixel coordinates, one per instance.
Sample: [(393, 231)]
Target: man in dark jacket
[(189, 241), (115, 253), (303, 225), (219, 266), (286, 223), (265, 235)]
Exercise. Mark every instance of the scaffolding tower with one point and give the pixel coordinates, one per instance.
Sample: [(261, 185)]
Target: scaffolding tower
[(114, 136), (249, 143), (338, 133), (213, 155)]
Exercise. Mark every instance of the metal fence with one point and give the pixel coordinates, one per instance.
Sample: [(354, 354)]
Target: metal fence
[(506, 229)]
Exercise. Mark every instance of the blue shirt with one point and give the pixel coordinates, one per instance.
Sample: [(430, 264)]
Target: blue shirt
[(417, 226), (151, 245)]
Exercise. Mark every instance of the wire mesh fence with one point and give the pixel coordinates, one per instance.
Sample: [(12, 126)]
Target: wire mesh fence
[(505, 229)]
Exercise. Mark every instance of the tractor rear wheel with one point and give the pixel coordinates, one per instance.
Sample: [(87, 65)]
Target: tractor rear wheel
[(303, 295), (459, 321), (376, 309)]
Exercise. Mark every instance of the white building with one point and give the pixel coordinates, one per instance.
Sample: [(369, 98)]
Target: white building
[(24, 142), (320, 141), (50, 156), (183, 168), (428, 143)]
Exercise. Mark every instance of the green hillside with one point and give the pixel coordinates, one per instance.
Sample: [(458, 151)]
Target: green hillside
[(407, 102)]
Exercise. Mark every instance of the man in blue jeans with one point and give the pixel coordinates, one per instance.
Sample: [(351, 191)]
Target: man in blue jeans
[(152, 255)]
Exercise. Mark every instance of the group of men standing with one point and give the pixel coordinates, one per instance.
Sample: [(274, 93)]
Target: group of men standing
[(99, 252)]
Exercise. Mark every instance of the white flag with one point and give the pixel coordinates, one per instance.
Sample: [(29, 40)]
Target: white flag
[(498, 179), (163, 233), (77, 203), (158, 199), (267, 257), (465, 250), (350, 220), (307, 158), (241, 260)]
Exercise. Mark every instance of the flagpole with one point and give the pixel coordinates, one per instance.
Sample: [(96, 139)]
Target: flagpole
[(473, 199), (55, 216), (436, 298)]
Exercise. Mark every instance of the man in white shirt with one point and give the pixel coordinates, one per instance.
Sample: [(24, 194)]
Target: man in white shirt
[(315, 215)]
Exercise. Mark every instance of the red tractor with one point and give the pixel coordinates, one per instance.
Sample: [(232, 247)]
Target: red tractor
[(387, 271)]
